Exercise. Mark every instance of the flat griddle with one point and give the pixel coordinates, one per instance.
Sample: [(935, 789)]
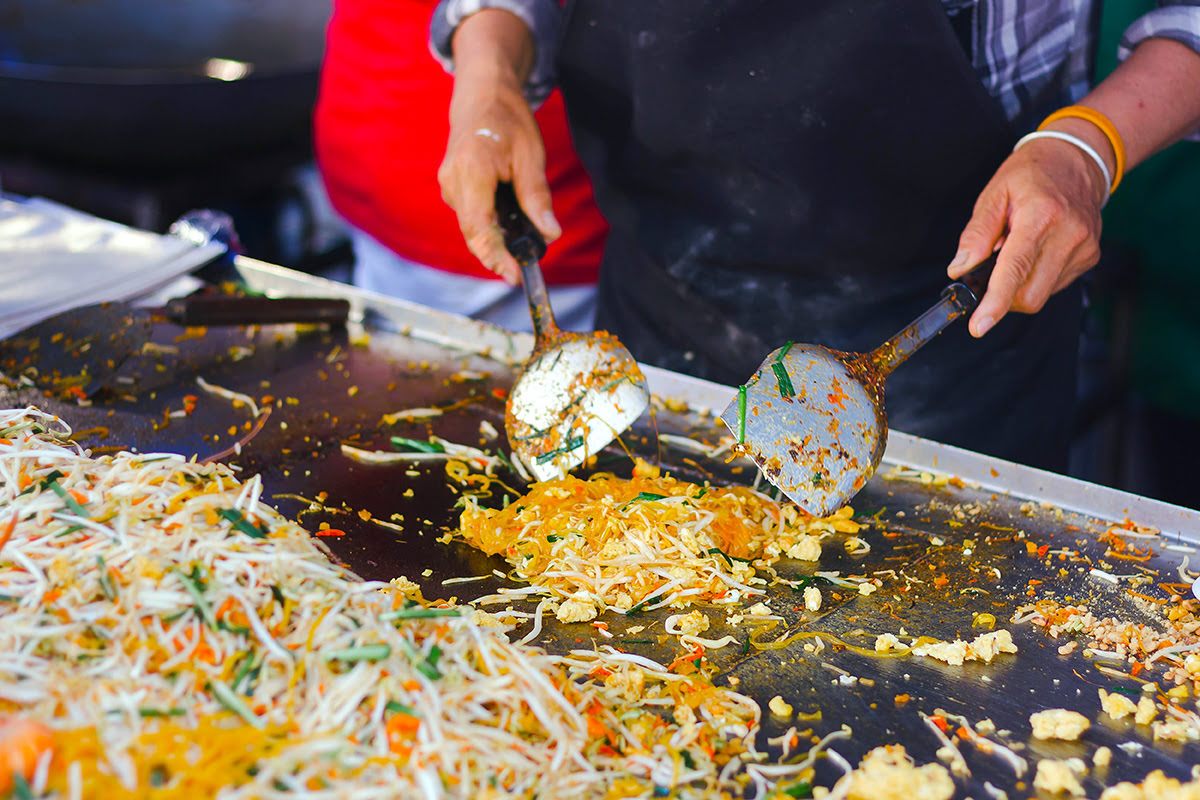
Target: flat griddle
[(335, 386)]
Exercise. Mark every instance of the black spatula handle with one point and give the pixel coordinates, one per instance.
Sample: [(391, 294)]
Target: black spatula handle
[(975, 281), (225, 310), (520, 236)]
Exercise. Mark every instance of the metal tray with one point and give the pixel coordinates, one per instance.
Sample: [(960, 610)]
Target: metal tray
[(335, 386)]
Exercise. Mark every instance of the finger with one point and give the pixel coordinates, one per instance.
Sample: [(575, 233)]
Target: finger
[(1053, 258), (983, 230), (476, 209), (533, 192), (1013, 267)]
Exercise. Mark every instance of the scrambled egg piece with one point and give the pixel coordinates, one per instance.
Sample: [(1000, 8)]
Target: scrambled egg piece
[(578, 608), (806, 548), (984, 648), (1174, 730), (779, 707), (1157, 786), (1102, 757), (812, 598), (887, 773), (1058, 723), (629, 682), (693, 624), (1057, 777), (1146, 711), (760, 610), (1116, 705), (887, 641), (486, 620)]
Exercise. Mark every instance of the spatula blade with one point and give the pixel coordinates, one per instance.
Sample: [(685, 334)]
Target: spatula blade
[(77, 351), (819, 442), (571, 401)]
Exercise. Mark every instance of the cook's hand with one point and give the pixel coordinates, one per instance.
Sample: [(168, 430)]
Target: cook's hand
[(493, 137), (1041, 210)]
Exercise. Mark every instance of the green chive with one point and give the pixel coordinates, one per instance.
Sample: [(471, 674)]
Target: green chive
[(419, 613), (416, 445), (742, 414), (418, 661), (277, 593), (636, 641), (399, 708), (239, 521), (801, 789), (572, 444), (230, 699), (551, 538), (161, 712), (362, 652), (818, 479), (21, 789), (71, 502), (244, 670), (647, 496), (435, 655), (649, 601), (193, 588), (106, 583), (785, 382), (69, 531)]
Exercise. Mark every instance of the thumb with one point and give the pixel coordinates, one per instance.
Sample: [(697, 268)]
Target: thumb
[(982, 232), (533, 193)]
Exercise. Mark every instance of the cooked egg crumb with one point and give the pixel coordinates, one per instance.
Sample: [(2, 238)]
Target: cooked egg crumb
[(888, 773), (1102, 757), (1058, 777), (887, 641), (779, 707), (1116, 705), (1058, 723), (812, 598)]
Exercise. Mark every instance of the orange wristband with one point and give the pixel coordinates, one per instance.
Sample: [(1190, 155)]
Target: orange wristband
[(1106, 127)]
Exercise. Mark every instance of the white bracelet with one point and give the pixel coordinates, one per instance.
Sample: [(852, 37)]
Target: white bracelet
[(1082, 145)]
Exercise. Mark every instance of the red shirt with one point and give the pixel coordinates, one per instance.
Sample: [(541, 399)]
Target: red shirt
[(381, 129)]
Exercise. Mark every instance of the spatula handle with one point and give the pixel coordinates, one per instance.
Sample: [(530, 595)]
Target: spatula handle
[(958, 298), (226, 310), (528, 247)]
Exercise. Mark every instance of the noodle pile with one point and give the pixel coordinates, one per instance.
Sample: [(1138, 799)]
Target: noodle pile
[(651, 541), (182, 639)]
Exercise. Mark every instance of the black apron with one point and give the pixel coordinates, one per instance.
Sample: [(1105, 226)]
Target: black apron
[(777, 170)]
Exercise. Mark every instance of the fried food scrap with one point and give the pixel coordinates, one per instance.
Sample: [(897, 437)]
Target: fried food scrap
[(888, 773), (812, 598), (1058, 723), (1116, 705), (1157, 786), (984, 647), (1060, 777), (885, 642)]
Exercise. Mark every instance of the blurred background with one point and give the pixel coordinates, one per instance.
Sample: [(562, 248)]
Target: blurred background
[(138, 112)]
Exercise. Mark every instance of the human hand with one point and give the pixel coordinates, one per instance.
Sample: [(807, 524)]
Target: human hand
[(1041, 210), (494, 137)]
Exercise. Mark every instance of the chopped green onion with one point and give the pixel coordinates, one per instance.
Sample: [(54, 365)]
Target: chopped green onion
[(787, 347), (21, 789), (416, 445), (191, 584), (801, 789), (728, 557), (551, 538), (399, 708), (636, 641), (230, 699), (649, 601), (435, 655), (239, 521), (647, 496), (572, 444), (69, 531), (362, 652), (106, 583), (161, 712), (741, 414), (71, 502), (818, 479), (418, 661), (277, 593), (785, 381), (419, 613)]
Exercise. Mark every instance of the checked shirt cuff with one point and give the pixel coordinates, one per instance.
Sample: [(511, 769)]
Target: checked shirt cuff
[(542, 17), (1178, 21)]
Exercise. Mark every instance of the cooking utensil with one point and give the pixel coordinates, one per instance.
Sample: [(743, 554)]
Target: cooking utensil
[(81, 350), (577, 391), (812, 418)]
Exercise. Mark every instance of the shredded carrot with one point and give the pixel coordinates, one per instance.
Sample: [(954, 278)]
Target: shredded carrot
[(8, 530), (22, 742)]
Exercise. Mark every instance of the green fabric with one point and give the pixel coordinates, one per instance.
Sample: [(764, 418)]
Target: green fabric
[(1156, 212)]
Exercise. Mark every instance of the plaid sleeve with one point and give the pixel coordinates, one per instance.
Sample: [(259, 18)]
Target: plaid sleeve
[(1179, 20), (543, 17)]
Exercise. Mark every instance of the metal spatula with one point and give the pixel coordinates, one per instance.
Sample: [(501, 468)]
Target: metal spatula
[(80, 351), (813, 418), (578, 391)]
